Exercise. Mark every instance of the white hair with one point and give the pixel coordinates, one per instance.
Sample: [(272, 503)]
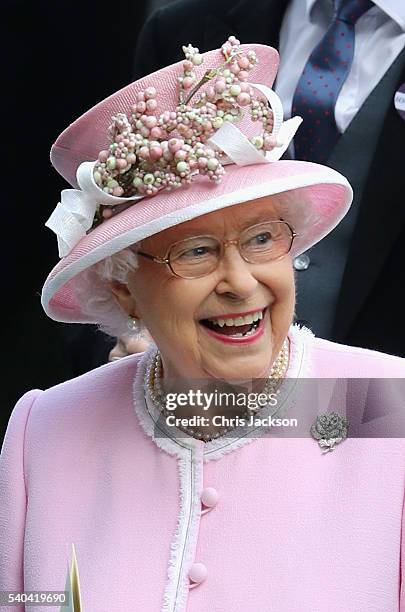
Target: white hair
[(95, 296)]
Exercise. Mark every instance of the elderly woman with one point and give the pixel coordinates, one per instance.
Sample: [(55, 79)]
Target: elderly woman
[(186, 224)]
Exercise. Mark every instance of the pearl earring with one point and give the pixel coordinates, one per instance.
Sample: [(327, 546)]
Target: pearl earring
[(133, 324)]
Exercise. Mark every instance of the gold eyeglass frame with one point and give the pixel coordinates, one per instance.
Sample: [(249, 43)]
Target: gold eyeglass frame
[(223, 244)]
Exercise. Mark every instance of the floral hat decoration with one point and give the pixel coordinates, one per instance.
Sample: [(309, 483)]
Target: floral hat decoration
[(194, 137)]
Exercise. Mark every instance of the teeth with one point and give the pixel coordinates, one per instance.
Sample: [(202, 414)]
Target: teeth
[(237, 321), (248, 333)]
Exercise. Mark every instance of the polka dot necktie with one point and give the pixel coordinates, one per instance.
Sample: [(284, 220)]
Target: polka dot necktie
[(324, 74)]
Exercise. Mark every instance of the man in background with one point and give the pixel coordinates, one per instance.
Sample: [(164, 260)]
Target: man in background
[(356, 49)]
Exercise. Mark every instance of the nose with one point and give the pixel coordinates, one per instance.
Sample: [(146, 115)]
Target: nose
[(236, 274)]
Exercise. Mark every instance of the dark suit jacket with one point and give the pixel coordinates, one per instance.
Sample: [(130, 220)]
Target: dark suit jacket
[(370, 311)]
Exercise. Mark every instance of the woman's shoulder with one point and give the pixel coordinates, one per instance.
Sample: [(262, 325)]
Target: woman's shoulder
[(99, 390), (334, 359), (97, 380), (73, 419), (321, 358)]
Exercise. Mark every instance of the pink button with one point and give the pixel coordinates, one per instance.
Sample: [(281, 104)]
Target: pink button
[(209, 497), (198, 572)]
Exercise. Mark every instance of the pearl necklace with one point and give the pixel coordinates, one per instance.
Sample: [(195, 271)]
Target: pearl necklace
[(158, 397)]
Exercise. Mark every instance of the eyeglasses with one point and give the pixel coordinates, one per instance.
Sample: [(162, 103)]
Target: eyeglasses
[(200, 255)]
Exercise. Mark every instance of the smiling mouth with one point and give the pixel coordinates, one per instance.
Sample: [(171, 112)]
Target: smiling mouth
[(236, 327)]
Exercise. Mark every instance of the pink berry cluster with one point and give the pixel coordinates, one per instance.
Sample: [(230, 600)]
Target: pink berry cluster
[(150, 152)]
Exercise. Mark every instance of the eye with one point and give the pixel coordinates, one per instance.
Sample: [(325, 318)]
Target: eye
[(264, 239), (194, 252)]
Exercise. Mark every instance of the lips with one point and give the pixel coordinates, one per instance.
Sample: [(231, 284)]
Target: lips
[(237, 327)]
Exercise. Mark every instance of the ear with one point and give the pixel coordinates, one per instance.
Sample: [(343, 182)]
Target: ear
[(124, 297)]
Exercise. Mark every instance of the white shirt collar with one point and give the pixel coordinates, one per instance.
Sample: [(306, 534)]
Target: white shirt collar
[(393, 8), (309, 5)]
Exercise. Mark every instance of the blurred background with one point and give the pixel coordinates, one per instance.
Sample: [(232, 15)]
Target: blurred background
[(60, 59)]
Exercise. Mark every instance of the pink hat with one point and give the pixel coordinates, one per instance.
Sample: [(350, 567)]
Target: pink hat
[(218, 158)]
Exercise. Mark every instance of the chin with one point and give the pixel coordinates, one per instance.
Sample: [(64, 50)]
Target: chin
[(244, 367)]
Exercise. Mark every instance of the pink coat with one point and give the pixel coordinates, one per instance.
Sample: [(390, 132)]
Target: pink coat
[(293, 530)]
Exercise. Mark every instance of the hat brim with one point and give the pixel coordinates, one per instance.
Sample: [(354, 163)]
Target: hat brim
[(311, 197)]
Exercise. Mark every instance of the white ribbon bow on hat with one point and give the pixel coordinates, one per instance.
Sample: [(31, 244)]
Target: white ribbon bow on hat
[(74, 214), (238, 147)]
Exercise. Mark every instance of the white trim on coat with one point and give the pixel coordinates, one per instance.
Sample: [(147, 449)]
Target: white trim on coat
[(191, 455)]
